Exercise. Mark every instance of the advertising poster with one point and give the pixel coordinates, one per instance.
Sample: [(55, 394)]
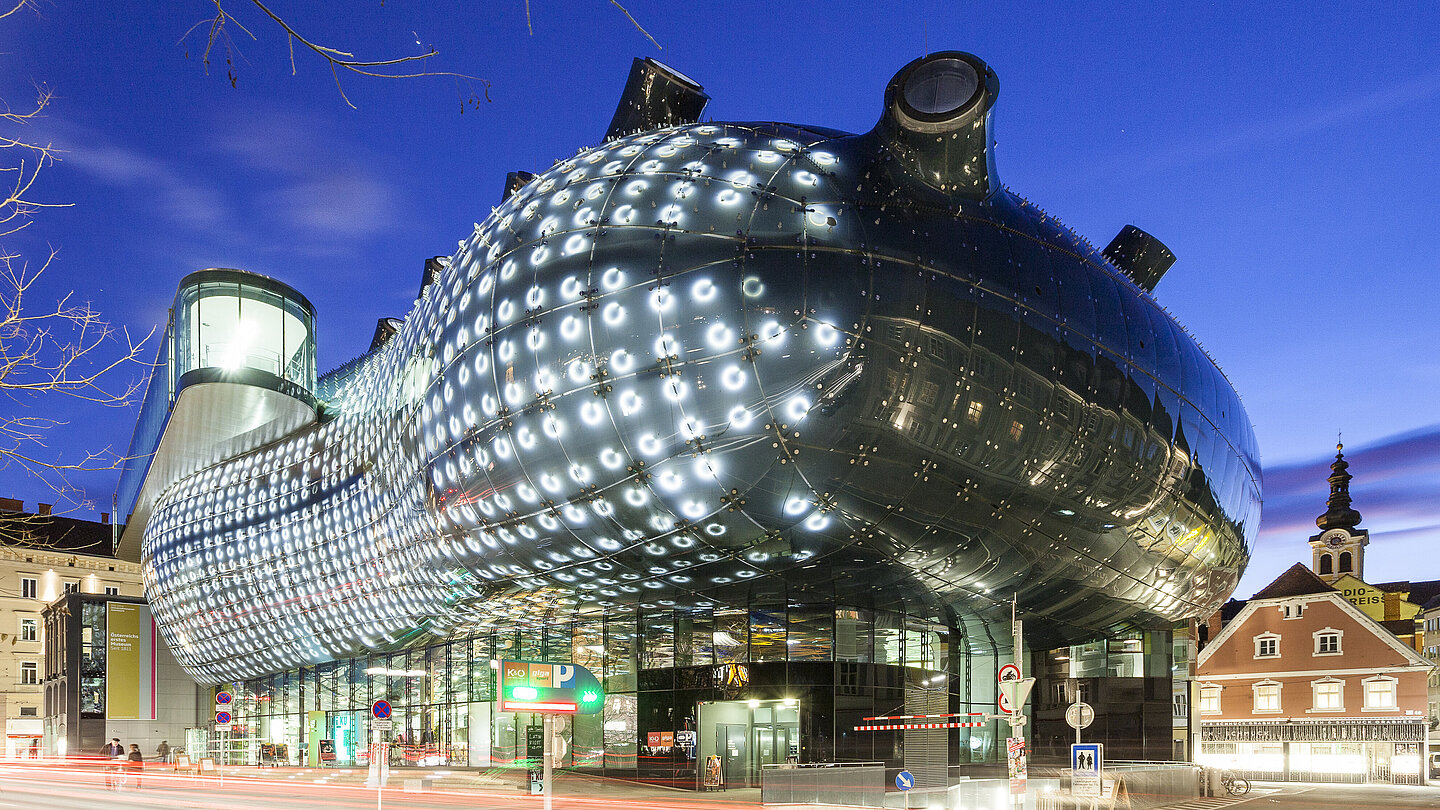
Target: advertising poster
[(1019, 771), (129, 662)]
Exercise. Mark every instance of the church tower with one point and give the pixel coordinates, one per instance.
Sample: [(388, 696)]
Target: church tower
[(1339, 548)]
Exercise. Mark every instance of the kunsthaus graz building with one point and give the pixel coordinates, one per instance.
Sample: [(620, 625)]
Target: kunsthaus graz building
[(763, 423)]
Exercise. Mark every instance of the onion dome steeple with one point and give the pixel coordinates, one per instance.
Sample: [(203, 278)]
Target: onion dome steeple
[(1338, 514)]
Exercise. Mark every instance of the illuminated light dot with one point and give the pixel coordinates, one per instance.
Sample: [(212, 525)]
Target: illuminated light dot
[(570, 288), (661, 300), (719, 336), (826, 335), (549, 482), (622, 361), (675, 390), (805, 178), (741, 178), (820, 218), (728, 197), (539, 255), (715, 529), (579, 371), (670, 214), (816, 522), (772, 332), (689, 428), (733, 378), (670, 480), (579, 473), (662, 523), (507, 270), (784, 144), (554, 428), (667, 345), (487, 283), (613, 167), (525, 438), (766, 156), (636, 497), (514, 393), (797, 408), (651, 167), (630, 403), (611, 459), (560, 197), (623, 215), (570, 327), (536, 338), (752, 287), (506, 351), (636, 187), (795, 506), (703, 291), (574, 514), (649, 445), (591, 413), (594, 192), (506, 310), (693, 510), (613, 314), (823, 158), (740, 417), (576, 244), (489, 404), (612, 279)]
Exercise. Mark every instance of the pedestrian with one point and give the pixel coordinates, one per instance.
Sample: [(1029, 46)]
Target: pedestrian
[(162, 751), (113, 749), (135, 761)]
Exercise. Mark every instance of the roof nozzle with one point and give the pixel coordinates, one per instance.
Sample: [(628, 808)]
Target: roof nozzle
[(656, 95), (937, 122), (1140, 256)]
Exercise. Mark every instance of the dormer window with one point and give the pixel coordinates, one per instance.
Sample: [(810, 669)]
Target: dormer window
[(1267, 645)]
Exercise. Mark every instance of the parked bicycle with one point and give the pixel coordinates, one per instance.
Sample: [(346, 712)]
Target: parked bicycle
[(1234, 784)]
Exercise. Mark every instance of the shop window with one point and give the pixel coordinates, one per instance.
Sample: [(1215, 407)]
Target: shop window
[(1267, 645), (1327, 641), (1210, 699), (1267, 697), (1329, 695), (1380, 694)]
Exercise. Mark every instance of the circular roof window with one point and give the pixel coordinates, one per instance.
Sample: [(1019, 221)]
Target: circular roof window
[(941, 86)]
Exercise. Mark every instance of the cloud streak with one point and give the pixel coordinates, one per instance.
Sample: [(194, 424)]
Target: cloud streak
[(1394, 486)]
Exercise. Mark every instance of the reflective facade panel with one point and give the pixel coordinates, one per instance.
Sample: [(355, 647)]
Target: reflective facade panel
[(713, 367)]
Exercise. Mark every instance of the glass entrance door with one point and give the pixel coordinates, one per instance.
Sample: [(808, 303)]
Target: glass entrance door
[(732, 741)]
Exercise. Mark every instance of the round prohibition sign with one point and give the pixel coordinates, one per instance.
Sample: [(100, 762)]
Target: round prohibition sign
[(380, 709), (222, 718), (223, 698)]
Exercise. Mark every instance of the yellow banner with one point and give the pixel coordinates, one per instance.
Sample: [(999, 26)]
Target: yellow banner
[(122, 661)]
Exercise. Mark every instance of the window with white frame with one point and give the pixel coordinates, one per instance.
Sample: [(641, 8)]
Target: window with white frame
[(1327, 641), (1267, 697), (1329, 695), (1380, 693), (1294, 611), (29, 673), (29, 629), (1267, 645), (29, 588), (1209, 699)]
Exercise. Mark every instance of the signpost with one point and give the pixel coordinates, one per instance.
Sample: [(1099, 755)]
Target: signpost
[(904, 780), (549, 690), (380, 721)]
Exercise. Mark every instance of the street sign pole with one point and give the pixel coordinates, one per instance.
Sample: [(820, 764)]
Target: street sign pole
[(549, 758)]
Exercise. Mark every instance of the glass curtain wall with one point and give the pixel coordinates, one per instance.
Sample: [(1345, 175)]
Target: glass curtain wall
[(656, 666)]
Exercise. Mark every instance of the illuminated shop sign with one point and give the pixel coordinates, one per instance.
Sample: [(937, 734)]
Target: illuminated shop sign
[(533, 686)]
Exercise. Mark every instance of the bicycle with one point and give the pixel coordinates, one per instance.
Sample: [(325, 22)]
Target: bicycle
[(1234, 784)]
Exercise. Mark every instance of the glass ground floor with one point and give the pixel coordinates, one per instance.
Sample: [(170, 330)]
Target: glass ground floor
[(1357, 760), (691, 697)]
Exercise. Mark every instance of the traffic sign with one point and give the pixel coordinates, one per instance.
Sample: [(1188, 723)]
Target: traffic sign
[(381, 725), (904, 780), (1087, 761), (1009, 672), (1013, 694), (223, 698), (222, 718), (1080, 715), (380, 709)]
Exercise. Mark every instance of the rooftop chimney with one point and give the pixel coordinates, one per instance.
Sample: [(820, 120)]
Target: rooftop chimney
[(44, 508)]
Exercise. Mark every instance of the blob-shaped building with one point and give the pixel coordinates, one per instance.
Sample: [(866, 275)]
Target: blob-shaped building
[(717, 410)]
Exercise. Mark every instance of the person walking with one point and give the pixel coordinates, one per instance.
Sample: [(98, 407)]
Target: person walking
[(112, 751), (162, 751), (135, 762)]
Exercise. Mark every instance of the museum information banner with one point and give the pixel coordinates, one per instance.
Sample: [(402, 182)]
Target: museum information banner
[(129, 662)]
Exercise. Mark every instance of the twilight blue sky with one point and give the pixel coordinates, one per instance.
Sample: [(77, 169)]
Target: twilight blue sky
[(1287, 153)]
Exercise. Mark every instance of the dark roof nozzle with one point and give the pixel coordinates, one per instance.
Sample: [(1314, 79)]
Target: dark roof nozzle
[(656, 95), (937, 122)]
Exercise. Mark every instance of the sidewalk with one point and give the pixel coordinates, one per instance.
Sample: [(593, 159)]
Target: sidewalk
[(493, 780)]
